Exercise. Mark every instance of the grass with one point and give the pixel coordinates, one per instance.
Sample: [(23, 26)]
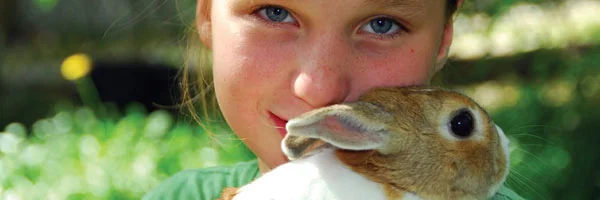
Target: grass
[(78, 155)]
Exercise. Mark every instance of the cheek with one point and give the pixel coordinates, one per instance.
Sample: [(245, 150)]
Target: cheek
[(409, 66), (406, 65), (247, 72), (247, 69), (247, 58)]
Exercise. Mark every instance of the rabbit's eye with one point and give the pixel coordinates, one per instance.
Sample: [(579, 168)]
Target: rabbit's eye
[(462, 124)]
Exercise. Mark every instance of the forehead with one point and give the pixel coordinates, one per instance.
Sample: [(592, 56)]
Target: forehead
[(419, 3), (387, 3)]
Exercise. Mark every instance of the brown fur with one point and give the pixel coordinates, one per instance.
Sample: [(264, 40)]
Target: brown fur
[(304, 145), (418, 159)]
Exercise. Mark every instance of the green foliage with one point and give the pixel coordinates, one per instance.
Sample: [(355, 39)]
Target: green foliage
[(78, 155), (46, 5)]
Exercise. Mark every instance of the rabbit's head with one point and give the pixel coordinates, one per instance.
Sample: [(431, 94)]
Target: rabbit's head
[(432, 142)]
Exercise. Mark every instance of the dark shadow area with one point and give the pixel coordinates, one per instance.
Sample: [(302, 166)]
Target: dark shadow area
[(118, 82), (153, 85)]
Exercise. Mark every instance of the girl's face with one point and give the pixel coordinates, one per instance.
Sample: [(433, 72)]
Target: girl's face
[(276, 59)]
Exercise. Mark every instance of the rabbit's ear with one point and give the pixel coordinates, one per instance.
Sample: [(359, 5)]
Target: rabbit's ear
[(295, 147), (344, 126)]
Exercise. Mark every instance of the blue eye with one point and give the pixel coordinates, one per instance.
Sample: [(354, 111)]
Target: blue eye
[(382, 26), (276, 14)]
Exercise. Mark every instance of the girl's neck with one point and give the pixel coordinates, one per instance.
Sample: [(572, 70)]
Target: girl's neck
[(262, 167)]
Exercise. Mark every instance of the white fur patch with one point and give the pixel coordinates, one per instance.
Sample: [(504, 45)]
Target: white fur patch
[(411, 196), (318, 177), (504, 142)]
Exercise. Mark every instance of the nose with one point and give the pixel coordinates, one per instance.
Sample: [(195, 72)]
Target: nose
[(323, 75)]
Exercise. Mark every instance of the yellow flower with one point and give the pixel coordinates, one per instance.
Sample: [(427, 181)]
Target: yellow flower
[(76, 66)]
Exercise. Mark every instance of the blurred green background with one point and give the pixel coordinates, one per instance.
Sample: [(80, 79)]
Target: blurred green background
[(533, 64)]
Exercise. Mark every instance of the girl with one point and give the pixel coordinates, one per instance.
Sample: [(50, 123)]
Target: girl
[(275, 59)]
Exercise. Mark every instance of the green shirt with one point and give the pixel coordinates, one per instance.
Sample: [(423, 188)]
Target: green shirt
[(207, 184)]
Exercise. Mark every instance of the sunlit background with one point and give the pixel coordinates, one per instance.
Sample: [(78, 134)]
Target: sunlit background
[(87, 90)]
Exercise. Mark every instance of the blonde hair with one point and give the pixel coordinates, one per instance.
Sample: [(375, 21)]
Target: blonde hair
[(197, 93)]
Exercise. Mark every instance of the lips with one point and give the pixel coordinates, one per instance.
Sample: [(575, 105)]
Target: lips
[(279, 124)]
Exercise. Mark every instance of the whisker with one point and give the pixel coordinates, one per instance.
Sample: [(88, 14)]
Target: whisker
[(530, 154), (528, 135), (521, 181)]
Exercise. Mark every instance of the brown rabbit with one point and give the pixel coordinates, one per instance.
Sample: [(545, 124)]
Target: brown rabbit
[(393, 143)]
